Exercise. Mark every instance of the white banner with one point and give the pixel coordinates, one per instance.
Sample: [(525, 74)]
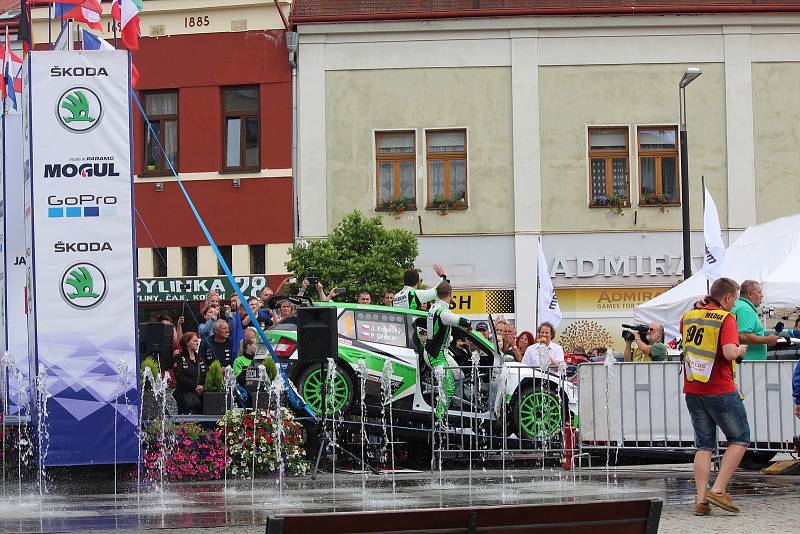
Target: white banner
[(83, 284), (548, 307), (715, 247), (16, 332)]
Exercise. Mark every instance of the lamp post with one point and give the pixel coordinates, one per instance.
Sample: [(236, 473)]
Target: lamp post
[(688, 77)]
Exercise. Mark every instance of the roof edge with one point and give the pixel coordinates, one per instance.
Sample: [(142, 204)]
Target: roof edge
[(544, 12)]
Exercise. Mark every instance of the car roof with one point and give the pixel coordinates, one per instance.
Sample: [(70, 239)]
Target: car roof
[(371, 307)]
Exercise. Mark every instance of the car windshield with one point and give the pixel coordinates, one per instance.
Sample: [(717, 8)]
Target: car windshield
[(289, 324)]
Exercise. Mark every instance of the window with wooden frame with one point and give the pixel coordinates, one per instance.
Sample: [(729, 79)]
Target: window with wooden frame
[(395, 169), (446, 154), (608, 167), (241, 136), (658, 166), (162, 111)]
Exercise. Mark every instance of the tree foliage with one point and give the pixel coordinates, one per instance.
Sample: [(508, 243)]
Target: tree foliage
[(360, 253)]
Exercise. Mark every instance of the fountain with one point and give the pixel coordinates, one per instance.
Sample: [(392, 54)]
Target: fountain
[(262, 380), (276, 392), (122, 373), (229, 382), (5, 364), (362, 388), (330, 388), (43, 435), (386, 383)]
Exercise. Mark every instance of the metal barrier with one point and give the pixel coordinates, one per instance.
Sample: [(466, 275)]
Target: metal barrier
[(506, 410), (641, 406)]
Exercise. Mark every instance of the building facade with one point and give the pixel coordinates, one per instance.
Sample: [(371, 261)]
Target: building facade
[(216, 85), (557, 123)]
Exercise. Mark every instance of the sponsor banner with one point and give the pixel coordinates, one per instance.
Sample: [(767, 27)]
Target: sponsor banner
[(196, 288), (81, 236), (13, 303), (483, 301)]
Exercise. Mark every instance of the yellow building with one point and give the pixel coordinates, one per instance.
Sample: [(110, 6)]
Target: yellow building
[(482, 131)]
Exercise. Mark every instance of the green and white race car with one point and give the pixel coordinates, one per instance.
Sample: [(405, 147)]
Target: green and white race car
[(535, 402)]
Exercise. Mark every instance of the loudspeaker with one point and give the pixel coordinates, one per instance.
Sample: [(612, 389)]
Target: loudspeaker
[(317, 336), (157, 338)]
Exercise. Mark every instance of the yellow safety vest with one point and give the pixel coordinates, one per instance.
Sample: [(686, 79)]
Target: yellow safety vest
[(700, 335)]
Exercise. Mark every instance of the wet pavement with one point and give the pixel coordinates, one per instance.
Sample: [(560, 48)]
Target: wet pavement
[(192, 506)]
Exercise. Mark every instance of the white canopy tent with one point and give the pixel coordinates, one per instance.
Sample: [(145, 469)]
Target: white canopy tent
[(768, 253)]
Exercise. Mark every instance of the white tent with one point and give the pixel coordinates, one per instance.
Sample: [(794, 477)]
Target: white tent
[(768, 253)]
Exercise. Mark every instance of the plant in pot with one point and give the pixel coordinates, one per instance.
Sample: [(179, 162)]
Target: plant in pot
[(261, 400), (653, 199), (443, 204), (616, 203), (150, 406), (213, 393), (397, 206)]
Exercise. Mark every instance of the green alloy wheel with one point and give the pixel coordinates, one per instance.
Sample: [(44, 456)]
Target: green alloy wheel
[(316, 390), (538, 414)]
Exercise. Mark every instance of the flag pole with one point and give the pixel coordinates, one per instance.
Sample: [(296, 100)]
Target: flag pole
[(703, 185), (114, 27), (536, 319), (50, 26)]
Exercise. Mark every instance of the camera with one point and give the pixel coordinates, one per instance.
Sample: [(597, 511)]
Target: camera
[(312, 280), (627, 335)]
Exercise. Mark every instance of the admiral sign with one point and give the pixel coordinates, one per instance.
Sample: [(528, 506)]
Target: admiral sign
[(82, 262)]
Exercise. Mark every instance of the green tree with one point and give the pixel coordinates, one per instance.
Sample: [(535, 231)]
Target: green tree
[(358, 254)]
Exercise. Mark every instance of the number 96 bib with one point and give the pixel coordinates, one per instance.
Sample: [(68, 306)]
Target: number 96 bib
[(700, 335)]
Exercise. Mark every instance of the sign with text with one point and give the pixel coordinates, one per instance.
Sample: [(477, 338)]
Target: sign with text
[(196, 289), (80, 234)]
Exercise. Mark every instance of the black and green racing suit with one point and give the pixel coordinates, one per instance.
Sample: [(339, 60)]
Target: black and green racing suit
[(440, 321)]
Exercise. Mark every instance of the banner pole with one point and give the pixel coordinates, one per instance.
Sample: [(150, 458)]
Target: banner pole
[(703, 185), (50, 26)]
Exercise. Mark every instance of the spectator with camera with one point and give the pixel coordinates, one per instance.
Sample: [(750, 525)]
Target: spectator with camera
[(649, 341)]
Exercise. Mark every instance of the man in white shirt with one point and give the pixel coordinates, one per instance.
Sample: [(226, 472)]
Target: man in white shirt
[(546, 346)]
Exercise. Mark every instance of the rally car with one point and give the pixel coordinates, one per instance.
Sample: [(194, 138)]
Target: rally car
[(535, 402)]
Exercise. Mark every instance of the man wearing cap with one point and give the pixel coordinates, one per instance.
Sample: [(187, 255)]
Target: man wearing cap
[(483, 329), (411, 296)]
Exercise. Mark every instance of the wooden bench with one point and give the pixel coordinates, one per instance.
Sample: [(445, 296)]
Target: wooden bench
[(599, 517)]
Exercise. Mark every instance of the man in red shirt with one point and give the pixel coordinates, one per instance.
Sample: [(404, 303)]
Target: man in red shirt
[(711, 345)]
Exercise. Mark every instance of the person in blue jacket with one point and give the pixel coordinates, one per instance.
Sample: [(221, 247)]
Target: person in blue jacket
[(796, 389)]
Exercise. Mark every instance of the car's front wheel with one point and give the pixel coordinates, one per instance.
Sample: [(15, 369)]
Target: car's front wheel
[(318, 391), (537, 413)]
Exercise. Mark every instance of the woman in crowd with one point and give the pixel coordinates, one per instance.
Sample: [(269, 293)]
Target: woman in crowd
[(190, 375), (524, 340), (210, 315), (551, 350)]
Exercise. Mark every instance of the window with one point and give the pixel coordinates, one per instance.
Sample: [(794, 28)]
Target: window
[(227, 254), (189, 261), (396, 156), (162, 111), (241, 135), (658, 166), (346, 325), (380, 327), (447, 168), (258, 259), (160, 261), (608, 164)]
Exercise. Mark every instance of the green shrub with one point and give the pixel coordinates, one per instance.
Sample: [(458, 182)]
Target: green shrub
[(149, 363), (214, 378), (269, 363)]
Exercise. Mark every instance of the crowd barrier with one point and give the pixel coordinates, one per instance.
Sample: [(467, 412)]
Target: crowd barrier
[(641, 406), (516, 411)]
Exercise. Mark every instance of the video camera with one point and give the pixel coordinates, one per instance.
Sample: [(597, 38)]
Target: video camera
[(627, 335)]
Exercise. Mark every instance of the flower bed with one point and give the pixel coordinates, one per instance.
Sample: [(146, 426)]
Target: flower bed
[(191, 452)]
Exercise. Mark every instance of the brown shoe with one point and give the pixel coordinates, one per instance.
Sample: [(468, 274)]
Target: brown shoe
[(723, 500), (702, 508)]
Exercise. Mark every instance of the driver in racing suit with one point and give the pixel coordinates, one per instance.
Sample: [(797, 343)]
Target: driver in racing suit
[(440, 320), (411, 296)]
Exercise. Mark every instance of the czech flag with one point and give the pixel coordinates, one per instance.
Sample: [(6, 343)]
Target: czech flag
[(129, 21), (94, 42)]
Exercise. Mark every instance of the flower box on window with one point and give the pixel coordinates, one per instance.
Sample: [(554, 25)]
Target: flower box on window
[(443, 204), (397, 206)]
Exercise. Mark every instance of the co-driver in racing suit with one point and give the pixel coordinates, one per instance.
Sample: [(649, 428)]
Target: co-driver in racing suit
[(440, 321), (410, 296)]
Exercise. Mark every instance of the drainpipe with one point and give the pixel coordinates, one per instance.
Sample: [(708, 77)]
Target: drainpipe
[(292, 40)]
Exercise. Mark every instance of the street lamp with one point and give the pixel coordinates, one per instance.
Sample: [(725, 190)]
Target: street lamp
[(688, 77)]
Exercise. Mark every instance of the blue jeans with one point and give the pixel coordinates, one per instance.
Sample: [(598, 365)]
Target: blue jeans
[(724, 411)]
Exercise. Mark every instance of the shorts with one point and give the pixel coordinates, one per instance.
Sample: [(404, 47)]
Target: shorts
[(724, 411)]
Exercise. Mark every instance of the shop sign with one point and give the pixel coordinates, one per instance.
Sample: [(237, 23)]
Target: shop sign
[(196, 288)]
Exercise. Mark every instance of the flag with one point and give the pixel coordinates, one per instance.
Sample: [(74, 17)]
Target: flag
[(24, 33), (86, 11), (115, 11), (16, 70), (129, 21), (715, 247), (9, 93), (548, 307), (94, 42)]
